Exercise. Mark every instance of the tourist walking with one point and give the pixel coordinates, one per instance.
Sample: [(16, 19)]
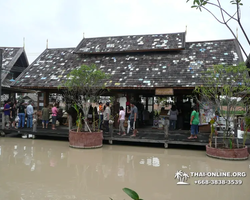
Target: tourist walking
[(173, 117), (128, 111), (30, 112), (13, 114), (21, 111), (194, 122), (133, 118), (45, 116), (100, 114), (121, 121), (106, 117), (54, 116), (7, 109)]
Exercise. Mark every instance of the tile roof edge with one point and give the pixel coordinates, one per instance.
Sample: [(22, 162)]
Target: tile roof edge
[(129, 51), (239, 52), (219, 40), (25, 56), (60, 48), (12, 47), (136, 35), (78, 46)]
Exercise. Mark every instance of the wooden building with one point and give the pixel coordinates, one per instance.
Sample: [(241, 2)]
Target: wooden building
[(142, 66)]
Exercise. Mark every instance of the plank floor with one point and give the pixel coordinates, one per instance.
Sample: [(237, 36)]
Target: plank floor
[(145, 135)]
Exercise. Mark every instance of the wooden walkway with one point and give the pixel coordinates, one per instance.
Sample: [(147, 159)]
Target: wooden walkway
[(145, 135)]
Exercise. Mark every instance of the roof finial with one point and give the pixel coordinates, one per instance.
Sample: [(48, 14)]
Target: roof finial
[(83, 35), (47, 44), (24, 42), (186, 29)]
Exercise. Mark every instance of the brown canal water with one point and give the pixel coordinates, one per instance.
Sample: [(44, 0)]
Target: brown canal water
[(50, 170)]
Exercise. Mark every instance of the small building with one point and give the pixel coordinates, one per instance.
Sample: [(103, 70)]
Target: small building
[(14, 62)]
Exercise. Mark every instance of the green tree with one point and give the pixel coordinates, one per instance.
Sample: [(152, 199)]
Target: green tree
[(225, 83), (84, 85), (224, 17)]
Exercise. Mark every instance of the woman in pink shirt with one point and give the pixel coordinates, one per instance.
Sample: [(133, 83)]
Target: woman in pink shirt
[(54, 116), (121, 121)]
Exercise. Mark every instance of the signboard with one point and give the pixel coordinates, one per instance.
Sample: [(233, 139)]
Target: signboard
[(164, 91)]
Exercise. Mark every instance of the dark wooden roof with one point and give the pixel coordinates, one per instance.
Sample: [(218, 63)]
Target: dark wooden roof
[(132, 43), (14, 62), (48, 69), (134, 70)]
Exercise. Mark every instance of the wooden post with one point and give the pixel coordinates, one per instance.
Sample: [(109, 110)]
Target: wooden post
[(235, 127), (46, 98), (146, 103), (111, 130), (35, 123), (3, 121), (70, 122), (237, 142), (38, 94), (166, 127), (153, 104)]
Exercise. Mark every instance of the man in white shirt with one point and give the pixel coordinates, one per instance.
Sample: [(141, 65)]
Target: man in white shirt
[(106, 117), (30, 112)]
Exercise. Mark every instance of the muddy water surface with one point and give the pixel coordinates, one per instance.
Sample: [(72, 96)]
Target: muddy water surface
[(50, 170)]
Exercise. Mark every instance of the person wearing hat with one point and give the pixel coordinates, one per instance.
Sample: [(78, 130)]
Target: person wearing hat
[(194, 122)]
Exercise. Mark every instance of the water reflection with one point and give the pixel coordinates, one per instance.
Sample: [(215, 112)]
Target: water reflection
[(51, 170)]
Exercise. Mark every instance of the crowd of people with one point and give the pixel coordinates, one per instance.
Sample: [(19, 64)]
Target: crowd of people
[(16, 114), (105, 118)]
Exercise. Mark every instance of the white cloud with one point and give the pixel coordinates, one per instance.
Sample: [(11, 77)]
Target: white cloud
[(63, 22)]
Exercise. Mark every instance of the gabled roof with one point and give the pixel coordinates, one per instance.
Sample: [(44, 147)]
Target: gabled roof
[(13, 57), (48, 69), (132, 43), (133, 70), (30, 96)]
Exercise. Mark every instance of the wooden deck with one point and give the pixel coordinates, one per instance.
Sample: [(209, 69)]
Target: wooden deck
[(145, 135)]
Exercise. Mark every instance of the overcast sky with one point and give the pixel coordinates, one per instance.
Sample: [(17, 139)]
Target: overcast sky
[(63, 22)]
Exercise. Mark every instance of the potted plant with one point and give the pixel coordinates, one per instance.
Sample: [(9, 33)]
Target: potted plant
[(219, 84), (84, 85), (246, 127)]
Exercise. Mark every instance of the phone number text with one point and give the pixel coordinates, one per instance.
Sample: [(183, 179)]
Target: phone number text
[(218, 182)]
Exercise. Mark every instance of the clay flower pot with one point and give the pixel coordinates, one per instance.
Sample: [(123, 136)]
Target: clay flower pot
[(228, 154), (85, 140)]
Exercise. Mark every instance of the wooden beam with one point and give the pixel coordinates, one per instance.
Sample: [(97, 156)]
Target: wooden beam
[(164, 91), (46, 98), (17, 69)]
